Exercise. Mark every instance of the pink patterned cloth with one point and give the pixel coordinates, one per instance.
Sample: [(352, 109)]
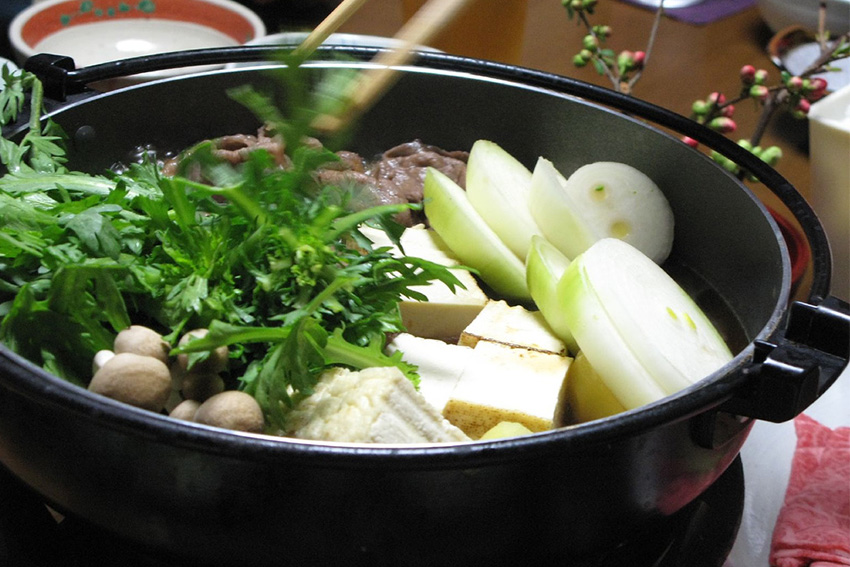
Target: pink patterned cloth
[(813, 527)]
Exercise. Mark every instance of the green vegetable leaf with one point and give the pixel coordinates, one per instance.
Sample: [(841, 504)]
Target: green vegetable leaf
[(267, 258)]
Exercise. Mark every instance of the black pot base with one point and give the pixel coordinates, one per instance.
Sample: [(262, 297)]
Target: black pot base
[(701, 535)]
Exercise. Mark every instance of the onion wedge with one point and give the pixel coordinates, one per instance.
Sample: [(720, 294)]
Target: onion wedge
[(544, 267), (601, 200), (641, 332), (498, 185), (470, 238), (555, 212)]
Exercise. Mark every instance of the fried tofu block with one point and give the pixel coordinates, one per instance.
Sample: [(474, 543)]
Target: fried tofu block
[(506, 383), (512, 326)]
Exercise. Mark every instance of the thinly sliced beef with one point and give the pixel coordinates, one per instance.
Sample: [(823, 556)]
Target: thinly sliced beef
[(400, 173), (397, 176), (235, 149), (813, 528)]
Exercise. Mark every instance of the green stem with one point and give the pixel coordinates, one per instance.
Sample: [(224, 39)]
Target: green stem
[(36, 101)]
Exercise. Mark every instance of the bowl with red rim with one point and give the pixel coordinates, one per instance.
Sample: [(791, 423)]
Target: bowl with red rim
[(99, 31)]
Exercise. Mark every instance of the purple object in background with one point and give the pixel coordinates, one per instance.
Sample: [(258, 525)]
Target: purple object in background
[(705, 12)]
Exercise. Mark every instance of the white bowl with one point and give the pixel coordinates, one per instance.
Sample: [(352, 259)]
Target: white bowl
[(8, 64), (293, 39), (780, 14), (98, 31)]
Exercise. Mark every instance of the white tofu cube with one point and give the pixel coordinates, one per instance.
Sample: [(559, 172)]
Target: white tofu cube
[(440, 365), (445, 314)]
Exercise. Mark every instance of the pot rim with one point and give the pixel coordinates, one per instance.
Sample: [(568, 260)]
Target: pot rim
[(32, 381)]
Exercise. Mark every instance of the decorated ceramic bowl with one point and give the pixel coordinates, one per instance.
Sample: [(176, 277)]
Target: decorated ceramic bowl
[(98, 31)]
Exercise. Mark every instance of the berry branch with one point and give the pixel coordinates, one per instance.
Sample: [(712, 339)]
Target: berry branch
[(794, 93)]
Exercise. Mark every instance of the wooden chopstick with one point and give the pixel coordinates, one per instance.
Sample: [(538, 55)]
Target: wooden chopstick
[(374, 82), (326, 27)]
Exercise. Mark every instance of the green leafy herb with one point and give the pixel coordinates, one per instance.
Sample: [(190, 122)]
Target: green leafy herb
[(268, 259)]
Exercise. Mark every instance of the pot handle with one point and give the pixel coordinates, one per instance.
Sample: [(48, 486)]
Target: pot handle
[(61, 78), (790, 372)]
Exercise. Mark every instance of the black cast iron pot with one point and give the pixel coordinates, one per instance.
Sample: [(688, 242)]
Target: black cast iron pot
[(558, 496)]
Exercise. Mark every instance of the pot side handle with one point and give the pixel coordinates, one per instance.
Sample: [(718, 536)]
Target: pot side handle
[(788, 374)]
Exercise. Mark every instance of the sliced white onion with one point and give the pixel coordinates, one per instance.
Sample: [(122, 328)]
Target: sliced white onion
[(557, 216), (497, 185), (544, 267), (618, 201), (639, 329), (470, 238)]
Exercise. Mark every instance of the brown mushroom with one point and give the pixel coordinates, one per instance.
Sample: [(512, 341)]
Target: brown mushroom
[(216, 361), (141, 381), (185, 410), (201, 386), (138, 339), (232, 410)]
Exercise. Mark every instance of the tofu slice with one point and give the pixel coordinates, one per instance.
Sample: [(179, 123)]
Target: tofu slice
[(505, 383), (446, 313), (373, 405), (512, 326), (440, 364)]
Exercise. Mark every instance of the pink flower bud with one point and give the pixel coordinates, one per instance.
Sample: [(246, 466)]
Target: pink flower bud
[(760, 77), (716, 98), (728, 110), (804, 106), (795, 84), (759, 92), (700, 107), (748, 74), (818, 84), (723, 125), (817, 89), (690, 142), (639, 58)]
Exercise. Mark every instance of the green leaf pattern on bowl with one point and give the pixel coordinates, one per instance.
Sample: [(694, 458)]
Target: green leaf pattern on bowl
[(87, 7)]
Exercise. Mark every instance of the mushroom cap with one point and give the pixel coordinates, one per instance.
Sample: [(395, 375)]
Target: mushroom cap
[(232, 410), (138, 380), (185, 410), (216, 362), (142, 340), (100, 358), (201, 386)]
